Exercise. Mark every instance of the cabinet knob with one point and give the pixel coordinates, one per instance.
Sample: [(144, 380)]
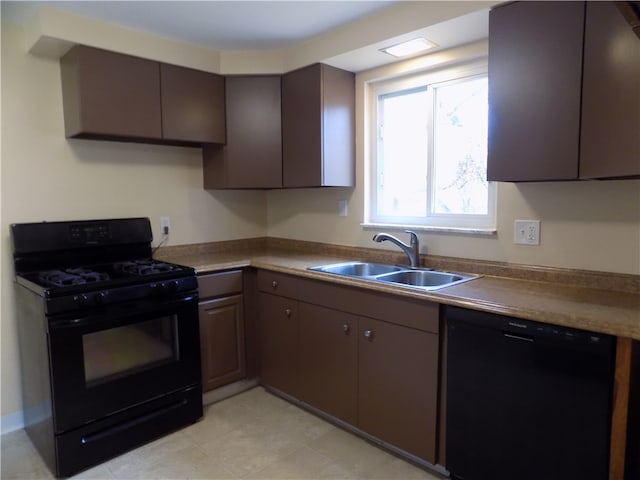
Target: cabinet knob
[(274, 284), (287, 312), (346, 328), (368, 334)]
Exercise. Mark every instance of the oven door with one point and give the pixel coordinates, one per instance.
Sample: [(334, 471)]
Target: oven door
[(120, 356)]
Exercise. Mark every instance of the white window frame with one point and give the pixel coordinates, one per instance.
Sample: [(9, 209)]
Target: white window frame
[(460, 223)]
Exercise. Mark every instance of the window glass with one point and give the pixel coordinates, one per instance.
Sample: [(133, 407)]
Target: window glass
[(460, 144), (402, 182), (428, 167)]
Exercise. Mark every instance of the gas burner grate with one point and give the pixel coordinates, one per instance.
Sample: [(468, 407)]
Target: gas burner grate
[(144, 267), (72, 276)]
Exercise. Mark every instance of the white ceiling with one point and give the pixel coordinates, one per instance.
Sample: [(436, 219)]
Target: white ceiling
[(235, 25), (220, 25)]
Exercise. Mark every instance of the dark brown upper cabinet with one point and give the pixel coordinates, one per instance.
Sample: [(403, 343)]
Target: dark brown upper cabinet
[(112, 96), (252, 155), (610, 138), (109, 95), (318, 127), (192, 105), (563, 104)]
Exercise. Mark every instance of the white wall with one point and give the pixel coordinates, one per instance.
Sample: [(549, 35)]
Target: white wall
[(46, 177), (591, 225)]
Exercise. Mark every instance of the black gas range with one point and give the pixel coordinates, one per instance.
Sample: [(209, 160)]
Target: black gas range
[(84, 264), (89, 286), (109, 339)]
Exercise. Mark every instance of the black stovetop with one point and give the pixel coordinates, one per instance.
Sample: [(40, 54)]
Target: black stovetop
[(142, 270), (87, 262), (84, 278)]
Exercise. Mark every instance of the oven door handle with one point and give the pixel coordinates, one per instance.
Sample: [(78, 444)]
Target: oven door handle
[(74, 322), (135, 308)]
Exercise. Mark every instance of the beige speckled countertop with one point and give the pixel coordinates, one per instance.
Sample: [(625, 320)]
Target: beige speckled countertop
[(561, 303)]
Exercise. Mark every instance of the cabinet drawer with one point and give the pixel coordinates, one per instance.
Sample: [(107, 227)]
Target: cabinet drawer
[(218, 284), (278, 284), (421, 315)]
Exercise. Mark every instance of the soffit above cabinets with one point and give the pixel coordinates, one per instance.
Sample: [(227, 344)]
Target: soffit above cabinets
[(310, 32)]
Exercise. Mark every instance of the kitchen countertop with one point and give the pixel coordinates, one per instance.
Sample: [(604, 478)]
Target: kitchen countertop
[(604, 311)]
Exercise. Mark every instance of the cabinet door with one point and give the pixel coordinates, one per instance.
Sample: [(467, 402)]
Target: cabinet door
[(279, 337), (192, 105), (110, 95), (535, 73), (397, 386), (301, 133), (329, 361), (252, 155), (318, 133), (610, 140), (222, 341)]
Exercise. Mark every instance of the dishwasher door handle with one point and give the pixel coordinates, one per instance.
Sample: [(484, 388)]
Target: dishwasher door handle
[(514, 336)]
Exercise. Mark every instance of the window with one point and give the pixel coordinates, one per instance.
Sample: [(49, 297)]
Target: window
[(428, 165)]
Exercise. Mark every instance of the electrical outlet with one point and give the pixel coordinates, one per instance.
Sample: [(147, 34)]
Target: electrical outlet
[(164, 225), (526, 232)]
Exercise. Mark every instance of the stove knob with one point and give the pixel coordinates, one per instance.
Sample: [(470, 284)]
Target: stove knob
[(101, 297), (173, 286), (81, 300), (158, 288)]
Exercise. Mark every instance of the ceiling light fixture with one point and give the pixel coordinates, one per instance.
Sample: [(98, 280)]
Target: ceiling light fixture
[(409, 47)]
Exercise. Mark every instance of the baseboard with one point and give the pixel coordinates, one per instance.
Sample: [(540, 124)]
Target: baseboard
[(11, 422), (228, 391)]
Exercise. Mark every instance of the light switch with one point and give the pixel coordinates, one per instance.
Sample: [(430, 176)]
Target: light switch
[(342, 208)]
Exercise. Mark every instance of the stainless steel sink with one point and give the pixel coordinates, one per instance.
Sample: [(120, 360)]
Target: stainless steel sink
[(357, 269), (422, 278)]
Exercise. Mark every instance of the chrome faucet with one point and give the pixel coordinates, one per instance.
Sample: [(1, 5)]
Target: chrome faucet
[(412, 250)]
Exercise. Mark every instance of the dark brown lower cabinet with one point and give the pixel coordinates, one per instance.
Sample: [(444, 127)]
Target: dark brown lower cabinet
[(279, 333), (397, 386), (222, 329), (222, 341), (320, 344), (329, 361)]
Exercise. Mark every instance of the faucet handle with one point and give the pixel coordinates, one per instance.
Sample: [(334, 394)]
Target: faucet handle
[(414, 236)]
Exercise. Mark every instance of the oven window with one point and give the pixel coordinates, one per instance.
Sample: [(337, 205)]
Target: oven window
[(121, 351)]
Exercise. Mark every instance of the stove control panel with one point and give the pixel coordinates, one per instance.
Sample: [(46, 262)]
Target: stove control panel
[(91, 299), (89, 233), (98, 298)]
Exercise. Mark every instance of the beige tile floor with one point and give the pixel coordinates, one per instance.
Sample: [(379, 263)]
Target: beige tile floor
[(252, 436)]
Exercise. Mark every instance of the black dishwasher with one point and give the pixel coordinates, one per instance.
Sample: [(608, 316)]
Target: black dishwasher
[(526, 400)]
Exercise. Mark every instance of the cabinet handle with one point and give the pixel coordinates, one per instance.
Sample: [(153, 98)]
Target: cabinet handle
[(346, 328), (274, 284), (287, 312), (368, 334)]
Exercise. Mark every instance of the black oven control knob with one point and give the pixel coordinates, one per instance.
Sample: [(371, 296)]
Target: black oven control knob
[(173, 286), (100, 297), (158, 288), (81, 300)]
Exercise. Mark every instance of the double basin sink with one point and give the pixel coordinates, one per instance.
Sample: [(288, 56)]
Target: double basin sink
[(422, 278)]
